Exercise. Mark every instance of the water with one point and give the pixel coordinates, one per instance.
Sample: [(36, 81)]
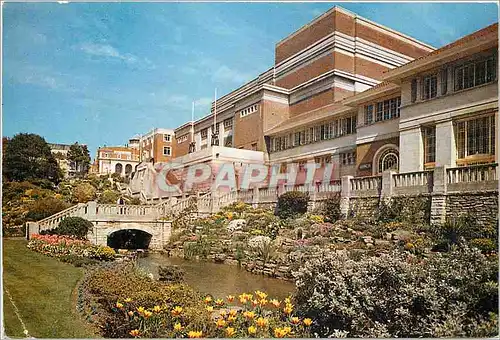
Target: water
[(219, 280)]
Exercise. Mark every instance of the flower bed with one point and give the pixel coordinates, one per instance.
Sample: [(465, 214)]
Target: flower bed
[(66, 248)]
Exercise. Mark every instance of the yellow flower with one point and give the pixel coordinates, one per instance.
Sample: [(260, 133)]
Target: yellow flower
[(230, 298), (249, 315), (222, 313), (231, 318), (147, 314), (156, 309), (178, 327), (140, 310), (261, 322), (295, 320), (308, 322), (195, 334), (128, 300), (220, 323), (210, 308), (219, 302), (119, 305), (176, 311), (233, 312), (255, 303), (243, 300), (252, 330), (260, 294), (275, 303), (279, 333), (288, 300), (134, 332), (208, 299), (130, 313), (288, 309), (263, 302), (230, 331), (287, 330)]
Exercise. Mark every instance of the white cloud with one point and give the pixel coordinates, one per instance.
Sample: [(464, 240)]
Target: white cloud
[(108, 51), (226, 74)]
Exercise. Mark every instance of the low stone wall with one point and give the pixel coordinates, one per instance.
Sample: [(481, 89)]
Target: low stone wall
[(364, 207), (484, 206)]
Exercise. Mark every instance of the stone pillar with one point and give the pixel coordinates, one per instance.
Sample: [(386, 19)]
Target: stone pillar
[(387, 185), (91, 211), (345, 195), (32, 228), (411, 150), (312, 195), (336, 166), (446, 151), (438, 196)]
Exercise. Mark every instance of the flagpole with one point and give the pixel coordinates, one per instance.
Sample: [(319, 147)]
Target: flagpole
[(215, 110), (192, 123)]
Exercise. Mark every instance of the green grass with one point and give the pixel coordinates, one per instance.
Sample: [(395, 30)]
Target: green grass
[(43, 290)]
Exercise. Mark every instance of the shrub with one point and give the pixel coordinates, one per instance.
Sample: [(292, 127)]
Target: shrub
[(45, 207), (83, 193), (399, 295), (330, 208), (291, 204), (171, 274), (78, 261), (405, 209), (108, 197), (74, 226)]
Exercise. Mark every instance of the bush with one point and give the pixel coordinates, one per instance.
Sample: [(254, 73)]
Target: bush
[(83, 193), (45, 207), (78, 261), (108, 197), (399, 295), (74, 226), (291, 204), (330, 208), (405, 209)]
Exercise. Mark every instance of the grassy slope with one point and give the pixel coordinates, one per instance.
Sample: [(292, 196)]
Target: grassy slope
[(42, 289)]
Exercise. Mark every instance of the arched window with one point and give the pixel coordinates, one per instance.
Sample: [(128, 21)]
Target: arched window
[(118, 168), (388, 160), (128, 169)]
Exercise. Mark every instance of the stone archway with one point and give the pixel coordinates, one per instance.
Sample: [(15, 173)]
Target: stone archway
[(129, 239), (118, 168)]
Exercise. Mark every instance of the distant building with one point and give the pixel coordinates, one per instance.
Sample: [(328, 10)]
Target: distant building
[(117, 159), (60, 152), (156, 145)]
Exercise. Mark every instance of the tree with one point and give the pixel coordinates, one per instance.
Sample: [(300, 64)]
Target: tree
[(28, 156), (80, 156), (83, 193)]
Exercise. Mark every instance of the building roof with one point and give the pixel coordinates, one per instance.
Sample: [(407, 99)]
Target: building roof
[(478, 41), (310, 117), (118, 148), (382, 89)]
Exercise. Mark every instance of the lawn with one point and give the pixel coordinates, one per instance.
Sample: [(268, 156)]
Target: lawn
[(43, 290)]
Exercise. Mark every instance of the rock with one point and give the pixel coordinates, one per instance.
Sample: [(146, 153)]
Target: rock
[(402, 235), (220, 258), (259, 241), (236, 225)]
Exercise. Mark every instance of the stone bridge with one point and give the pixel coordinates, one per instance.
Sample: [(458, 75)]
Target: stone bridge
[(110, 218)]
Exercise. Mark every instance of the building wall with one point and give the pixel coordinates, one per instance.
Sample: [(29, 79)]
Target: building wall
[(365, 154), (248, 130), (307, 71)]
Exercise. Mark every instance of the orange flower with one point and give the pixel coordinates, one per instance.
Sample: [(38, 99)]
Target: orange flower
[(249, 315), (130, 313), (279, 333), (295, 320), (255, 303), (231, 318), (262, 322), (275, 303), (233, 312), (220, 323), (134, 332), (308, 322), (210, 308), (156, 309), (230, 331), (147, 314), (263, 302), (119, 305), (208, 299), (219, 302), (176, 311), (230, 298)]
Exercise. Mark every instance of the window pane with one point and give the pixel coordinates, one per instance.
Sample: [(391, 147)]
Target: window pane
[(480, 73), (459, 78)]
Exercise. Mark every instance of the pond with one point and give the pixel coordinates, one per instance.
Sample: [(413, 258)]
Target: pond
[(219, 280)]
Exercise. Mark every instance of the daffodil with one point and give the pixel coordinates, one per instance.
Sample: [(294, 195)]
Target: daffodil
[(308, 322)]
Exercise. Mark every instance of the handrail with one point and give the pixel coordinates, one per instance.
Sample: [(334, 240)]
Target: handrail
[(62, 213)]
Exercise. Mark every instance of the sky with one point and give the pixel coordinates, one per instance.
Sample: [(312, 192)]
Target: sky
[(100, 73)]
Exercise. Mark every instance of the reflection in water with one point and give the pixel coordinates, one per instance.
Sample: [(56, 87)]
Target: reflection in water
[(219, 280)]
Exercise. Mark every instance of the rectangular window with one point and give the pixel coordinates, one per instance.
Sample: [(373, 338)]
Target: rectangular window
[(393, 103), (429, 87), (228, 124), (386, 110), (429, 137), (475, 73), (444, 81), (296, 139), (348, 158), (368, 114), (475, 137), (413, 90), (204, 133), (380, 111), (166, 151), (166, 137), (249, 110), (217, 128), (399, 107), (182, 139)]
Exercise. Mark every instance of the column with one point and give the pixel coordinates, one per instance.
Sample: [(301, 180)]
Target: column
[(446, 151), (438, 199), (411, 150), (336, 166), (345, 195), (387, 185)]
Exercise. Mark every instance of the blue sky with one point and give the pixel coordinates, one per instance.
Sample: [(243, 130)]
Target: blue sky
[(99, 73)]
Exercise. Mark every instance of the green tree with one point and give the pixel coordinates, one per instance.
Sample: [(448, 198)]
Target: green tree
[(80, 156), (28, 156), (83, 193)]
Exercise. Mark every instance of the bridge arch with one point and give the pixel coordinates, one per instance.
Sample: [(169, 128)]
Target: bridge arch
[(129, 239)]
